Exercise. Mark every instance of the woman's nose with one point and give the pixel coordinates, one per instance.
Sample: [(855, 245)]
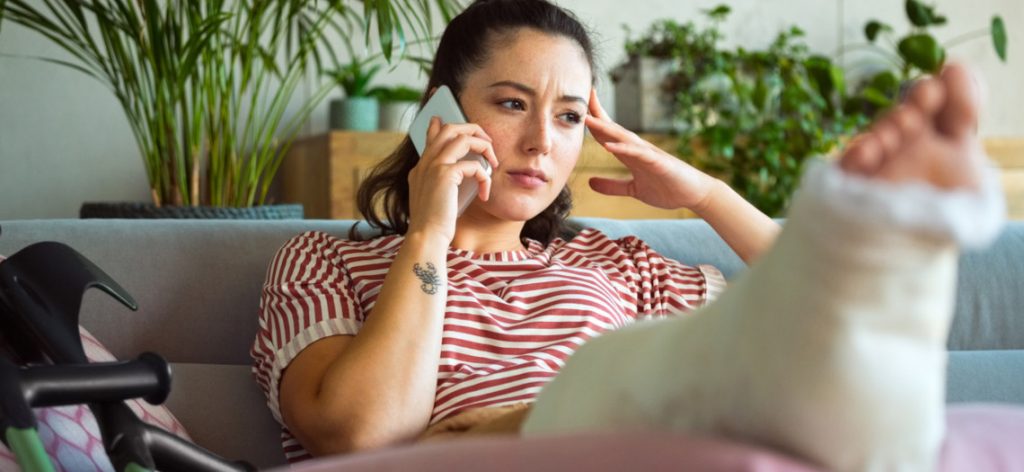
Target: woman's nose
[(538, 137)]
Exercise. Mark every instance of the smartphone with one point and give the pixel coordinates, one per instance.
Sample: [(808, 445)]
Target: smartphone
[(444, 105)]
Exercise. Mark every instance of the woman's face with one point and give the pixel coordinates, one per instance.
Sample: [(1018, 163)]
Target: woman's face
[(530, 97)]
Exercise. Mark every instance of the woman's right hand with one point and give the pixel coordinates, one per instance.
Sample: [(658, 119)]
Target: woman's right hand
[(434, 181)]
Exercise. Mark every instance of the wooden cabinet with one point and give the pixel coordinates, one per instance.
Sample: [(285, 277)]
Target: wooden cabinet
[(323, 172)]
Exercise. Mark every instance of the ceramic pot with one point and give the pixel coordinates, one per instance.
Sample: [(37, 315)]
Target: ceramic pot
[(354, 113)]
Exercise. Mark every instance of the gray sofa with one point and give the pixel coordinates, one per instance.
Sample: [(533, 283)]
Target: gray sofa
[(198, 284)]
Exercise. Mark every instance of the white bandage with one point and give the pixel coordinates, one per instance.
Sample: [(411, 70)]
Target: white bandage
[(831, 347)]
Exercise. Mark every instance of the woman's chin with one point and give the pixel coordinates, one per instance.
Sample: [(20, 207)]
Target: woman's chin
[(510, 210)]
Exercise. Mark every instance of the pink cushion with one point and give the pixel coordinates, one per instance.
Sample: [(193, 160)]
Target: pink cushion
[(642, 451), (984, 437), (70, 433), (980, 437)]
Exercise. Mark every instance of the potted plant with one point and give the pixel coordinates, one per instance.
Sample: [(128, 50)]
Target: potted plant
[(397, 106), (358, 110), (912, 55), (751, 117), (205, 84)]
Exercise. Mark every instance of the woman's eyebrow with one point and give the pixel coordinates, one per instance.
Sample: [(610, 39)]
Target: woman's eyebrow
[(529, 91)]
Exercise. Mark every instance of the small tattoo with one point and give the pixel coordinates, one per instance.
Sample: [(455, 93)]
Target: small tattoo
[(429, 277)]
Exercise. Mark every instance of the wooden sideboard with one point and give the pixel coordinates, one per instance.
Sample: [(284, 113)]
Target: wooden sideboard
[(323, 172)]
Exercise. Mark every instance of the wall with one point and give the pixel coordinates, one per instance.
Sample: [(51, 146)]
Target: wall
[(64, 139)]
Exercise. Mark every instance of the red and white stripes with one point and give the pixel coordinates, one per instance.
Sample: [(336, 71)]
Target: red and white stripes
[(512, 318)]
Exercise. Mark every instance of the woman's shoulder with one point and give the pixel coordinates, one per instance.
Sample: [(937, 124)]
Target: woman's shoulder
[(323, 243), (595, 243)]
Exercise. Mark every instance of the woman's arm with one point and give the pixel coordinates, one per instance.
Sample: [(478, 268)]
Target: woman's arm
[(378, 388), (746, 230), (662, 180), (348, 393)]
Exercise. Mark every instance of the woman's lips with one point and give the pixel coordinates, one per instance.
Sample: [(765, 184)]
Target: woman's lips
[(530, 180)]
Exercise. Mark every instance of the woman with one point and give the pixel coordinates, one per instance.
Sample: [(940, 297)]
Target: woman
[(369, 343)]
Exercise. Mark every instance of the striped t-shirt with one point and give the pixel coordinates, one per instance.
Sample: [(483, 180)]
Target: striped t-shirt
[(512, 318)]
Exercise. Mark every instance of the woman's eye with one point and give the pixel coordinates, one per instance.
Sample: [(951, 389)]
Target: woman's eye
[(513, 104), (572, 117)]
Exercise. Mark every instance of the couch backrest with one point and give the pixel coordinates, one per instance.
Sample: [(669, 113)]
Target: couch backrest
[(198, 282)]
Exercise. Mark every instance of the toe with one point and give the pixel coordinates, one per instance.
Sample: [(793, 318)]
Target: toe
[(959, 114), (862, 156), (927, 95), (887, 132), (909, 121)]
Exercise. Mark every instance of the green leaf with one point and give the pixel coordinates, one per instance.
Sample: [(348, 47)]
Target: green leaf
[(876, 97), (720, 12), (821, 71), (922, 15), (923, 51), (873, 28), (886, 82), (999, 36)]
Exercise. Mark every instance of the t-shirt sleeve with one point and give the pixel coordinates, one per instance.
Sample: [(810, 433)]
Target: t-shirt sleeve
[(307, 296), (667, 287)]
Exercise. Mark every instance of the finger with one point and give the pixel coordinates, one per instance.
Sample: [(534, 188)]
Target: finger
[(452, 132), (433, 128), (472, 129), (458, 147), (472, 169), (614, 187), (447, 131), (630, 152), (595, 105), (608, 130)]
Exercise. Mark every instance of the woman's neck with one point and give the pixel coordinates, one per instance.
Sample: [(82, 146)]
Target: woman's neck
[(486, 237)]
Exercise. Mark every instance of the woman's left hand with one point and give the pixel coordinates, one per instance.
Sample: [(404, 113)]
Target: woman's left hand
[(658, 178)]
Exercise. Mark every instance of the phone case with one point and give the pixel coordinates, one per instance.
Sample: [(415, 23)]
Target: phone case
[(444, 105)]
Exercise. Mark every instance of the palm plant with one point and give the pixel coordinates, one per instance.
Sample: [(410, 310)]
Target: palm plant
[(205, 83)]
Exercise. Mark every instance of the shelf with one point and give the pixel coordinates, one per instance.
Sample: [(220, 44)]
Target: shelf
[(323, 172)]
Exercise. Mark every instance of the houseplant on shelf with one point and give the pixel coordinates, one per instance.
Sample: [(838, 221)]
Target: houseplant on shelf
[(912, 55), (205, 84), (397, 106), (750, 117), (358, 110)]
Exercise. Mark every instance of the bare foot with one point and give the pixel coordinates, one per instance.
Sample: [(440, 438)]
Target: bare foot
[(930, 137)]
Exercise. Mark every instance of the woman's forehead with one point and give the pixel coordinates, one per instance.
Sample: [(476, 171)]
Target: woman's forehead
[(538, 61)]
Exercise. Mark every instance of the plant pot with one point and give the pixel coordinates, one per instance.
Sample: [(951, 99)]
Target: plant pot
[(135, 210), (355, 113), (642, 102), (397, 116)]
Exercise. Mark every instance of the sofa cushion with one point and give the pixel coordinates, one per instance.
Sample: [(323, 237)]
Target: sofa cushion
[(985, 376), (990, 301), (226, 412)]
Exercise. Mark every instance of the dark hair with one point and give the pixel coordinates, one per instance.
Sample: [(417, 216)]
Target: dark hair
[(465, 45)]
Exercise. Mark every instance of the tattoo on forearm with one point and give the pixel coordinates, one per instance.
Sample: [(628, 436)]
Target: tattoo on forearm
[(428, 276)]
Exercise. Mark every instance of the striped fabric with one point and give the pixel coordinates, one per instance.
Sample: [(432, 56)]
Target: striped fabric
[(512, 318)]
